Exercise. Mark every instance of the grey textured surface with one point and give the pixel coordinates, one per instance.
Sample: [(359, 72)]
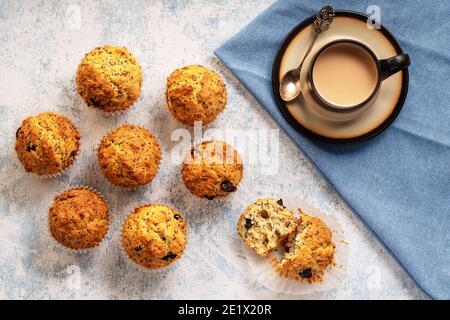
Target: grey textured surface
[(41, 44)]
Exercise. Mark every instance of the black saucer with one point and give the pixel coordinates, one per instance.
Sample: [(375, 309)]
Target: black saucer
[(301, 128)]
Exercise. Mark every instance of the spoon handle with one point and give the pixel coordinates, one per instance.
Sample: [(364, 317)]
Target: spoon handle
[(323, 20), (315, 36)]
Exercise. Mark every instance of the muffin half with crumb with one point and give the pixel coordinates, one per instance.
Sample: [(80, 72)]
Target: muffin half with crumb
[(154, 236), (78, 218), (46, 144), (129, 156), (265, 224), (109, 78), (308, 251)]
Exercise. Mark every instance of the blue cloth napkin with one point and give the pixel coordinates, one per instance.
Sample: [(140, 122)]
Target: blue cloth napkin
[(398, 182)]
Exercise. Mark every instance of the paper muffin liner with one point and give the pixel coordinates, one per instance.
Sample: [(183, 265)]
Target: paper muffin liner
[(48, 232), (97, 148), (110, 114), (60, 173), (105, 114), (162, 270), (265, 271)]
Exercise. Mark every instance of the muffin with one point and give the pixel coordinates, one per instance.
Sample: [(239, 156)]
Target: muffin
[(154, 236), (212, 169), (308, 251), (47, 144), (129, 156), (78, 218), (109, 78), (265, 224), (195, 93)]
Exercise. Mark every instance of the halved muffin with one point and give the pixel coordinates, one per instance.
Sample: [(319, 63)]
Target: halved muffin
[(265, 224), (308, 251)]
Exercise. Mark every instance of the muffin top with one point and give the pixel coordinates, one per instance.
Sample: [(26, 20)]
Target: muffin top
[(265, 224), (129, 156), (212, 169), (47, 143), (78, 218), (195, 93), (154, 236), (308, 251), (109, 78)]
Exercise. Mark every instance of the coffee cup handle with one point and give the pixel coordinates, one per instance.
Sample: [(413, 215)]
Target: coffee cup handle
[(393, 65)]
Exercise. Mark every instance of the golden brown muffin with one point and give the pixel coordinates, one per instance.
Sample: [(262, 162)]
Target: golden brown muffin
[(154, 236), (78, 218), (265, 224), (308, 251), (47, 143), (212, 169), (129, 156), (195, 93), (109, 78)]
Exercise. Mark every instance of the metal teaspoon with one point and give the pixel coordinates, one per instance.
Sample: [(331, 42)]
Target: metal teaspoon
[(290, 83)]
